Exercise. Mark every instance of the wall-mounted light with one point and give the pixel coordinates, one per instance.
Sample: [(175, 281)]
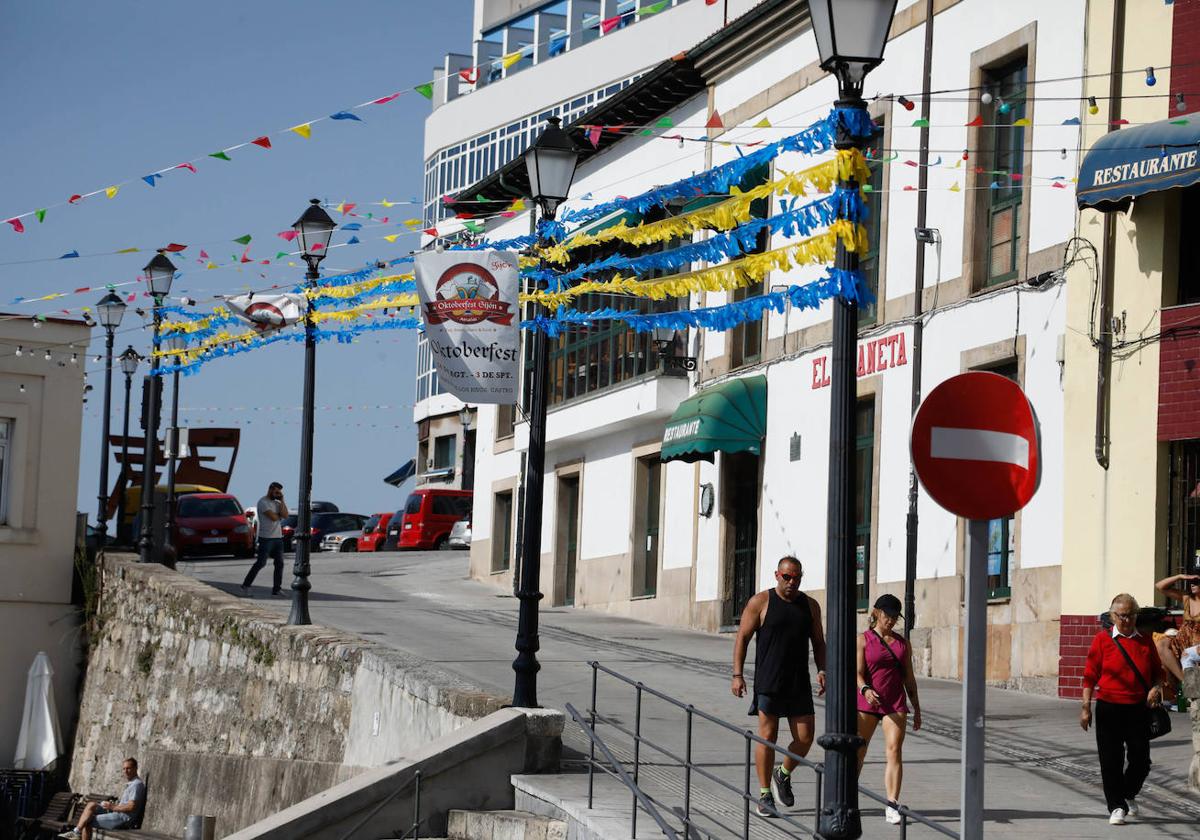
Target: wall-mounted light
[(707, 500)]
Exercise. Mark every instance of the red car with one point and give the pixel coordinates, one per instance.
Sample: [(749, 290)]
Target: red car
[(212, 523), (374, 532), (429, 515)]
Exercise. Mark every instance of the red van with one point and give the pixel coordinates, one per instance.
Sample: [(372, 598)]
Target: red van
[(374, 532), (429, 514)]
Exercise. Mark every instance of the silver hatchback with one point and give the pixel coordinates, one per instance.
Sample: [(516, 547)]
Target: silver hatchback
[(460, 534)]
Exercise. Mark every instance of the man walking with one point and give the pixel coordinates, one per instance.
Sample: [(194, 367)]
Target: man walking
[(785, 621), (272, 510), (124, 813)]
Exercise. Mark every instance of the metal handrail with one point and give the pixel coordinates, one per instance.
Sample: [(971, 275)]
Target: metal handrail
[(750, 737), (414, 830), (638, 794)]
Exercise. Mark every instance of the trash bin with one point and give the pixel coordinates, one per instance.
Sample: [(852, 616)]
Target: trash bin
[(200, 828)]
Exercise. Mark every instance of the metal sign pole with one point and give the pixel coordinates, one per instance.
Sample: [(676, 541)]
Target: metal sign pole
[(974, 686)]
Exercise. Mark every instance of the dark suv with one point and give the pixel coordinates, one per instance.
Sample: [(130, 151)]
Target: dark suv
[(289, 522)]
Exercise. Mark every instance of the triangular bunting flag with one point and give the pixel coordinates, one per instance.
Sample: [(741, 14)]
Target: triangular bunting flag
[(384, 99), (70, 255), (431, 231), (517, 205), (304, 130), (610, 24), (246, 256), (174, 248), (263, 141), (392, 237), (150, 179), (41, 215), (510, 59), (920, 122), (593, 135), (469, 74), (1022, 122), (345, 115), (386, 203), (425, 90), (763, 123), (977, 121), (289, 235), (189, 167), (665, 122), (352, 226), (203, 254), (128, 251), (714, 121), (352, 241), (280, 254), (955, 187), (475, 227), (111, 192), (74, 198), (211, 265), (219, 156), (1071, 121), (243, 240), (346, 207)]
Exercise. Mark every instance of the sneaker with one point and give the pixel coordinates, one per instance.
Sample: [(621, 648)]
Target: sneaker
[(73, 834), (891, 815), (766, 805), (1132, 810), (1117, 817), (245, 590), (781, 787)]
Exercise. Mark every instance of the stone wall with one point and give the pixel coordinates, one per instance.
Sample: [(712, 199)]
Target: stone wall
[(232, 712)]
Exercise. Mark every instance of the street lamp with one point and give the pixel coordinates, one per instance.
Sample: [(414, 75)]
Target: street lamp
[(174, 344), (313, 229), (159, 273), (465, 416), (551, 163), (109, 312), (129, 361), (850, 40)]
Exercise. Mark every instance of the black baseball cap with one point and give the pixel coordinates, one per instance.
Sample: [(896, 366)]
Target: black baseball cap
[(889, 605)]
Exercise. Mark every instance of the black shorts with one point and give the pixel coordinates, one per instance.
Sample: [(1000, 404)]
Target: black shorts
[(783, 706)]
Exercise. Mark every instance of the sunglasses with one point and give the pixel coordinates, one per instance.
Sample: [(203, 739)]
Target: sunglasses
[(1125, 616), (789, 578)]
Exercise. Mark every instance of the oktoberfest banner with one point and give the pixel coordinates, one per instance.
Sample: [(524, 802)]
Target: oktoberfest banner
[(469, 306), (268, 312)]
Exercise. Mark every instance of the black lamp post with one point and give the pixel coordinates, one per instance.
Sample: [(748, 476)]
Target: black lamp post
[(109, 312), (159, 272), (173, 344), (551, 163), (314, 229), (129, 361), (850, 40)]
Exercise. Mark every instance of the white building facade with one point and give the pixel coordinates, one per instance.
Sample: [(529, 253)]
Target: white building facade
[(686, 543)]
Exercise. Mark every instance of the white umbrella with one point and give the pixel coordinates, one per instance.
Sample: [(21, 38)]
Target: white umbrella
[(40, 743)]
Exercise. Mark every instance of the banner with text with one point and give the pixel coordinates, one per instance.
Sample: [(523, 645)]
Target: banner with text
[(469, 305)]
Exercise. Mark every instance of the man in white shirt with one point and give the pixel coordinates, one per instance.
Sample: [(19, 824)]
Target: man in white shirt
[(125, 813), (272, 510)]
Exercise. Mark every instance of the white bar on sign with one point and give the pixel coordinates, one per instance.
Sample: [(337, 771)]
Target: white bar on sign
[(979, 445)]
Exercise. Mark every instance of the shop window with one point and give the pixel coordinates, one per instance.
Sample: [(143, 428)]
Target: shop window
[(1189, 246), (646, 527), (864, 463), (1004, 170), (504, 420), (869, 264), (1001, 533), (502, 522)]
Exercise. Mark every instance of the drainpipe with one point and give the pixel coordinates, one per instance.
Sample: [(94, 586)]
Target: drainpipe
[(910, 553), (1107, 270)]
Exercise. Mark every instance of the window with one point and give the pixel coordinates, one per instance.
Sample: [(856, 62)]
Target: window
[(1001, 538), (1003, 166), (413, 505), (1183, 506), (864, 450), (193, 508), (746, 337), (422, 457), (869, 264), (6, 436), (502, 531), (504, 420), (647, 540), (443, 451)]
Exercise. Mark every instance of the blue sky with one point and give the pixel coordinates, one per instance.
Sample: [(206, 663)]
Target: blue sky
[(97, 93)]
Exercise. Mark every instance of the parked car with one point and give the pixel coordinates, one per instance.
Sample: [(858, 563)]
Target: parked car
[(331, 523), (210, 524), (374, 533), (460, 534), (391, 542), (429, 514), (289, 522), (341, 541)]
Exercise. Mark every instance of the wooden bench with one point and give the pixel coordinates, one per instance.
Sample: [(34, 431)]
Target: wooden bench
[(63, 813)]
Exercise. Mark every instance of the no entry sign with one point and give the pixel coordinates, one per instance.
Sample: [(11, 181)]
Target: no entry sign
[(975, 446)]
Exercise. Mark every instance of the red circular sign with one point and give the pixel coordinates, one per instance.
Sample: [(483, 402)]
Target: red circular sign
[(975, 446)]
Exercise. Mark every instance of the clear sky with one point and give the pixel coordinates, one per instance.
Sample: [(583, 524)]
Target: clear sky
[(98, 93)]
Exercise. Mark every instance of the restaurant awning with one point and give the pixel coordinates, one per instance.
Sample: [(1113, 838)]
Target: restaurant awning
[(629, 218), (730, 417), (1132, 162)]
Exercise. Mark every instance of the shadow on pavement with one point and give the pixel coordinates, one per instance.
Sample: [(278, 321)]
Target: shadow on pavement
[(261, 593)]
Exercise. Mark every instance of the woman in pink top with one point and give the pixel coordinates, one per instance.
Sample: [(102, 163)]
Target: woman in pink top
[(885, 680)]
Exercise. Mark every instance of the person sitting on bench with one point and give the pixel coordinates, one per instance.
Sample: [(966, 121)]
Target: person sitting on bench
[(125, 813)]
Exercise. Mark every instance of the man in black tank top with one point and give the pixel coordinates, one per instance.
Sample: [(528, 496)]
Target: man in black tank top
[(785, 621)]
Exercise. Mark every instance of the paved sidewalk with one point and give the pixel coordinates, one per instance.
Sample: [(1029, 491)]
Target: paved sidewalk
[(1042, 773)]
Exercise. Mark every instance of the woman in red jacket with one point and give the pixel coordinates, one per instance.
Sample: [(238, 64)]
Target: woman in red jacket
[(1124, 672)]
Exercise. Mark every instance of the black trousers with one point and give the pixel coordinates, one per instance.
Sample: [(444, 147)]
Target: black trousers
[(1122, 734), (272, 547)]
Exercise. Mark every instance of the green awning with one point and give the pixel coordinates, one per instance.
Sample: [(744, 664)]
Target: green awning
[(629, 217), (730, 417)]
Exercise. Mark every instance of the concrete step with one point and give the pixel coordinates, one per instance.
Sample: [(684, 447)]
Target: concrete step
[(503, 825)]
